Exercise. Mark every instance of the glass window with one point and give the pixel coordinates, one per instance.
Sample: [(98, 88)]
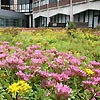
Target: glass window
[(43, 2), (52, 1), (23, 6), (35, 4), (27, 6), (7, 22), (5, 2), (17, 5)]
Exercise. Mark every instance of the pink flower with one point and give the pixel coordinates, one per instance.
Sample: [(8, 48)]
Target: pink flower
[(88, 83), (3, 56), (69, 72), (22, 68), (20, 62), (93, 98), (38, 52), (37, 61), (25, 77), (64, 76), (44, 74), (77, 71), (1, 51), (82, 58), (94, 63), (52, 65), (62, 90), (29, 50), (59, 61), (57, 77), (35, 47), (2, 63), (96, 79), (14, 59), (74, 61), (97, 72), (97, 94), (20, 73), (11, 48), (48, 83), (9, 60), (69, 56)]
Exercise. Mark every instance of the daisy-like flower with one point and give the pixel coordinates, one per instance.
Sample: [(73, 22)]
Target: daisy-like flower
[(89, 71), (19, 87)]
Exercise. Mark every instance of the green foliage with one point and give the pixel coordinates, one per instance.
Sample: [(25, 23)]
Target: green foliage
[(78, 42), (71, 25)]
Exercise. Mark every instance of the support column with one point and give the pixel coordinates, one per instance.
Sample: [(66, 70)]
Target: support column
[(71, 11), (30, 21), (58, 3), (48, 19), (0, 4), (15, 5), (33, 20)]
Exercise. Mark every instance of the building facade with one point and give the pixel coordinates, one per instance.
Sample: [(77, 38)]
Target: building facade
[(63, 11), (42, 13), (18, 13)]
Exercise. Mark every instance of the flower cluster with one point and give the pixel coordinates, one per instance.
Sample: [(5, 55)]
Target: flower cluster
[(19, 87), (62, 91), (89, 71), (52, 69)]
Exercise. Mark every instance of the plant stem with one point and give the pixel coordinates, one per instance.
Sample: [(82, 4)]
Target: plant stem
[(16, 96)]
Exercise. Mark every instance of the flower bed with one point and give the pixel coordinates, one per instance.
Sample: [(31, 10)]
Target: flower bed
[(49, 65)]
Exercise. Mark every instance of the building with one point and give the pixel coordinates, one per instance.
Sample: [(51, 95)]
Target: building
[(41, 13), (63, 11), (16, 13)]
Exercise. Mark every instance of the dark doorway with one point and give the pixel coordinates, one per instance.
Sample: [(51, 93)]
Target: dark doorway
[(40, 21)]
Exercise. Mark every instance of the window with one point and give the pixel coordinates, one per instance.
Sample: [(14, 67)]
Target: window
[(36, 4), (21, 5), (52, 1), (43, 2), (5, 4)]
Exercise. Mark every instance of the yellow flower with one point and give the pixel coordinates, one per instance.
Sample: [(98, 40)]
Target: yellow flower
[(13, 88), (89, 71), (19, 87)]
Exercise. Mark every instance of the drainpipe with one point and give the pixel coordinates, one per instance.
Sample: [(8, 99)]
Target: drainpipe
[(71, 11)]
